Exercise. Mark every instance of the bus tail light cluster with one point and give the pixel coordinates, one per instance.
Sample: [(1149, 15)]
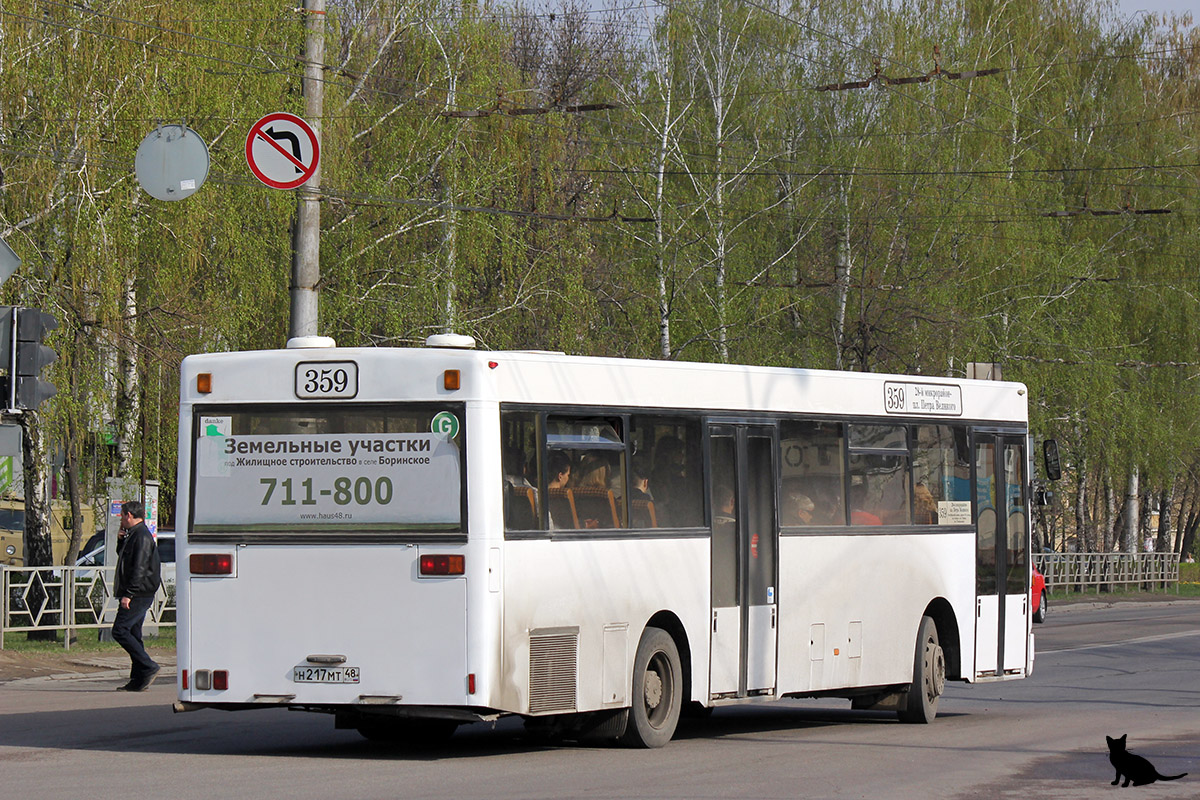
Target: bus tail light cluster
[(206, 679), (210, 563), (443, 565)]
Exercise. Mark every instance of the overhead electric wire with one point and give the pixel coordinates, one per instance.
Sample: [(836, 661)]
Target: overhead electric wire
[(829, 170), (433, 85), (954, 84), (301, 60)]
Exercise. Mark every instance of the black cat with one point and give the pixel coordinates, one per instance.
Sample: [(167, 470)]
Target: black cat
[(1134, 768)]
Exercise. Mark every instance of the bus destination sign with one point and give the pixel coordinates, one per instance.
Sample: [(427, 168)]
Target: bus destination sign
[(925, 399)]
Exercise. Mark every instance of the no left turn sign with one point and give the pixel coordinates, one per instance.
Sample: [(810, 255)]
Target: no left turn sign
[(282, 150)]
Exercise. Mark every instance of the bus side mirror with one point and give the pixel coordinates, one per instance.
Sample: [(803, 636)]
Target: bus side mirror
[(1053, 464)]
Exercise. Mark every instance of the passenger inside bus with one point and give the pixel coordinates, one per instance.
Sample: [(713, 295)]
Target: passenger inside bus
[(520, 496), (797, 508), (515, 467), (594, 504), (592, 473), (559, 506), (859, 515), (724, 547), (924, 506), (641, 501), (675, 484)]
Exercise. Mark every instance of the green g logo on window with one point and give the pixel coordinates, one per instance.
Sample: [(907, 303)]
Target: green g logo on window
[(444, 425)]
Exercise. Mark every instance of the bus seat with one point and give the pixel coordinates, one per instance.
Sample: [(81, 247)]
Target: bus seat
[(522, 509), (594, 508), (562, 508), (643, 514)]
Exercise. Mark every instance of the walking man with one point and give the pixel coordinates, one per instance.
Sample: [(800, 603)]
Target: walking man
[(138, 579)]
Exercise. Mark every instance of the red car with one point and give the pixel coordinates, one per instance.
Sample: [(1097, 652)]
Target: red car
[(1037, 591)]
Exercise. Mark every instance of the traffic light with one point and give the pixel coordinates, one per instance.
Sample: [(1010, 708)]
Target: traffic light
[(27, 357)]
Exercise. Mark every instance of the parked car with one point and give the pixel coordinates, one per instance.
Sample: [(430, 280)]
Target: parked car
[(1038, 592), (93, 555)]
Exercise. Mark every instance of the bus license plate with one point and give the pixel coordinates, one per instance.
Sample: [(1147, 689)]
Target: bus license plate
[(325, 674)]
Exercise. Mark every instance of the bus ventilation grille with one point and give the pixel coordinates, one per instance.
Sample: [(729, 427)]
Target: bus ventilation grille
[(552, 669)]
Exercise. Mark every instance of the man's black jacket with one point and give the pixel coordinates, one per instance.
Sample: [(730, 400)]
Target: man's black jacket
[(138, 569)]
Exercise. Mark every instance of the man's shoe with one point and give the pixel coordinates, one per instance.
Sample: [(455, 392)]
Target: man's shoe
[(146, 681), (126, 688)]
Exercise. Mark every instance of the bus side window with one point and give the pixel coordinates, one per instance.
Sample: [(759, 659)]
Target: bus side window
[(519, 434), (941, 473), (813, 474), (667, 489), (879, 475)]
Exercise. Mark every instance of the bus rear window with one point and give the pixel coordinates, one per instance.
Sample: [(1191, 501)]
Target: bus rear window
[(328, 469)]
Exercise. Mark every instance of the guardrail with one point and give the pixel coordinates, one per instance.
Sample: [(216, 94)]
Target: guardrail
[(1083, 571), (68, 599)]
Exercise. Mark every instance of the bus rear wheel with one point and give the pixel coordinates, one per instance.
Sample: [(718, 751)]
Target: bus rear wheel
[(657, 691), (929, 677)]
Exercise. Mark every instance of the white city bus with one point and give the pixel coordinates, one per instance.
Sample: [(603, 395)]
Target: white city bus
[(413, 539)]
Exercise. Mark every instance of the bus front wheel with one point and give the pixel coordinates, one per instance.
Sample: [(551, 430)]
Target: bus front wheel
[(929, 677), (657, 691)]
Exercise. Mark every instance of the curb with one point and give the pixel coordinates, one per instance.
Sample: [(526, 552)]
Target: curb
[(1086, 605)]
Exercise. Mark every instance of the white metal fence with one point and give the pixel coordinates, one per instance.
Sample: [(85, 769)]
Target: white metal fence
[(71, 599), (68, 599), (1083, 571)]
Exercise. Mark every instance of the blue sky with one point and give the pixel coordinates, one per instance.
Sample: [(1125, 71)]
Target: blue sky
[(1159, 6)]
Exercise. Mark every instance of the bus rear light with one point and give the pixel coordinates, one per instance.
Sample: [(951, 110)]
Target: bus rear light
[(443, 565), (210, 564), (471, 683), (183, 678), (220, 679), (204, 383), (452, 380), (203, 679)]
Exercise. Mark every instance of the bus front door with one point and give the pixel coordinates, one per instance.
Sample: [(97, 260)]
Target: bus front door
[(744, 556), (1001, 556)]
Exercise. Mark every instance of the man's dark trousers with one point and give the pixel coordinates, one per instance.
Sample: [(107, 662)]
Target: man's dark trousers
[(127, 632)]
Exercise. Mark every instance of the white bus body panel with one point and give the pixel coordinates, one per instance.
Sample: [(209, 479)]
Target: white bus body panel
[(1016, 632), (725, 671), (286, 604), (605, 591), (852, 621), (519, 377)]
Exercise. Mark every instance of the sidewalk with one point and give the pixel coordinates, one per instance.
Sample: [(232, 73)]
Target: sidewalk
[(1079, 602), (67, 664)]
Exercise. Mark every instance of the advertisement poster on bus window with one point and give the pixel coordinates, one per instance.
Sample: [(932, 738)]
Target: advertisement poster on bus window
[(312, 482)]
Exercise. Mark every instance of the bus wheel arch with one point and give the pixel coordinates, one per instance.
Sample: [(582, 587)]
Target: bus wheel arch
[(942, 614), (669, 622)]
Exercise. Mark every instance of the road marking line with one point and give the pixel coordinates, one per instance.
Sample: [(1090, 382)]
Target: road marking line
[(1142, 640)]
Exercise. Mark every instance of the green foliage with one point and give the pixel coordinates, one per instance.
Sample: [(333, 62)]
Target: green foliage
[(711, 204)]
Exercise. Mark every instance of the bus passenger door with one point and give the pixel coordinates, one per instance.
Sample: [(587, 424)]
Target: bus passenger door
[(744, 560), (1001, 556)]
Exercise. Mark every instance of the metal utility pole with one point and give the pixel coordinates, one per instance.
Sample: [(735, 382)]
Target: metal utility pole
[(306, 244)]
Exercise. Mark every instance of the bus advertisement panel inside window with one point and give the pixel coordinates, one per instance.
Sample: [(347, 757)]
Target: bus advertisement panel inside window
[(301, 471)]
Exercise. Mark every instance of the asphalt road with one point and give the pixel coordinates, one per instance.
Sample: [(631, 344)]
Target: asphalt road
[(1128, 669)]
